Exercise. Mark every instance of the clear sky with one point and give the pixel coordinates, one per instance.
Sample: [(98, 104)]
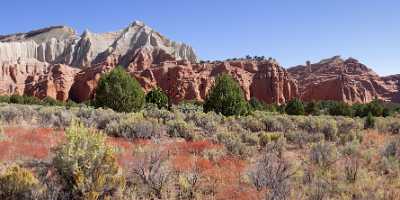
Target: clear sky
[(292, 31)]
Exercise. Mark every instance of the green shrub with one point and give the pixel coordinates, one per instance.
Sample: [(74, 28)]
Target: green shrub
[(388, 125), (369, 121), (348, 125), (301, 137), (374, 107), (295, 107), (232, 143), (157, 97), (256, 104), (30, 100), (161, 115), (4, 99), (135, 128), (312, 108), (330, 129), (251, 139), (179, 128), (252, 124), (207, 121), (226, 97), (340, 109), (48, 101), (10, 114), (265, 138), (97, 118), (323, 154), (87, 166), (187, 107), (119, 91), (55, 117), (18, 183)]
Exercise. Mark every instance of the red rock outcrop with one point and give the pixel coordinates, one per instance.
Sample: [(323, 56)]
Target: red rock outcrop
[(182, 80), (342, 80), (37, 79), (55, 84)]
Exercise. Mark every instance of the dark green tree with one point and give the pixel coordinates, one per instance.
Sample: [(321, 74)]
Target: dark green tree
[(295, 107), (119, 91), (157, 97), (226, 97)]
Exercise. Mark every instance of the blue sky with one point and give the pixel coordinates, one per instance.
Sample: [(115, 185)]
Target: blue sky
[(292, 31)]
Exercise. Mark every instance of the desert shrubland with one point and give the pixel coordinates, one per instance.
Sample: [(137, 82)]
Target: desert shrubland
[(183, 153)]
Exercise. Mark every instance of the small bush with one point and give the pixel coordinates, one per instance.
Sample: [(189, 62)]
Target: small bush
[(157, 97), (348, 125), (135, 128), (30, 100), (55, 117), (18, 183), (369, 121), (119, 91), (226, 97), (188, 107), (301, 138), (252, 124), (87, 165), (266, 138), (48, 101), (323, 154), (392, 149), (312, 108), (207, 121), (179, 128), (295, 107), (256, 104), (161, 115), (4, 99), (97, 118), (340, 109), (388, 125), (251, 139), (232, 143), (10, 114)]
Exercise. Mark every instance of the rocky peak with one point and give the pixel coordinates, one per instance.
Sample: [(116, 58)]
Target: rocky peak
[(61, 45)]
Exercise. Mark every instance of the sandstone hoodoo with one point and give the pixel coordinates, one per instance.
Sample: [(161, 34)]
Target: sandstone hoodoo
[(343, 80)]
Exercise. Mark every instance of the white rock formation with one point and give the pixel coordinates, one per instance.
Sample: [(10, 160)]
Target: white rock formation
[(61, 45)]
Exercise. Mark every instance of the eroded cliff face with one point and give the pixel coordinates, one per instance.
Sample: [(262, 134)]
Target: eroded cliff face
[(342, 80), (182, 80)]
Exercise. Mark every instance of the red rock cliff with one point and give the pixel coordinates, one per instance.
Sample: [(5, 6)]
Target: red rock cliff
[(342, 80)]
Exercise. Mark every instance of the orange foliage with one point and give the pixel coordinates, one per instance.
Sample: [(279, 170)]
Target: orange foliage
[(23, 143), (193, 147)]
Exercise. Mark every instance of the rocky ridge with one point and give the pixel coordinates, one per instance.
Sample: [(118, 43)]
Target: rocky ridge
[(343, 80), (182, 80)]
